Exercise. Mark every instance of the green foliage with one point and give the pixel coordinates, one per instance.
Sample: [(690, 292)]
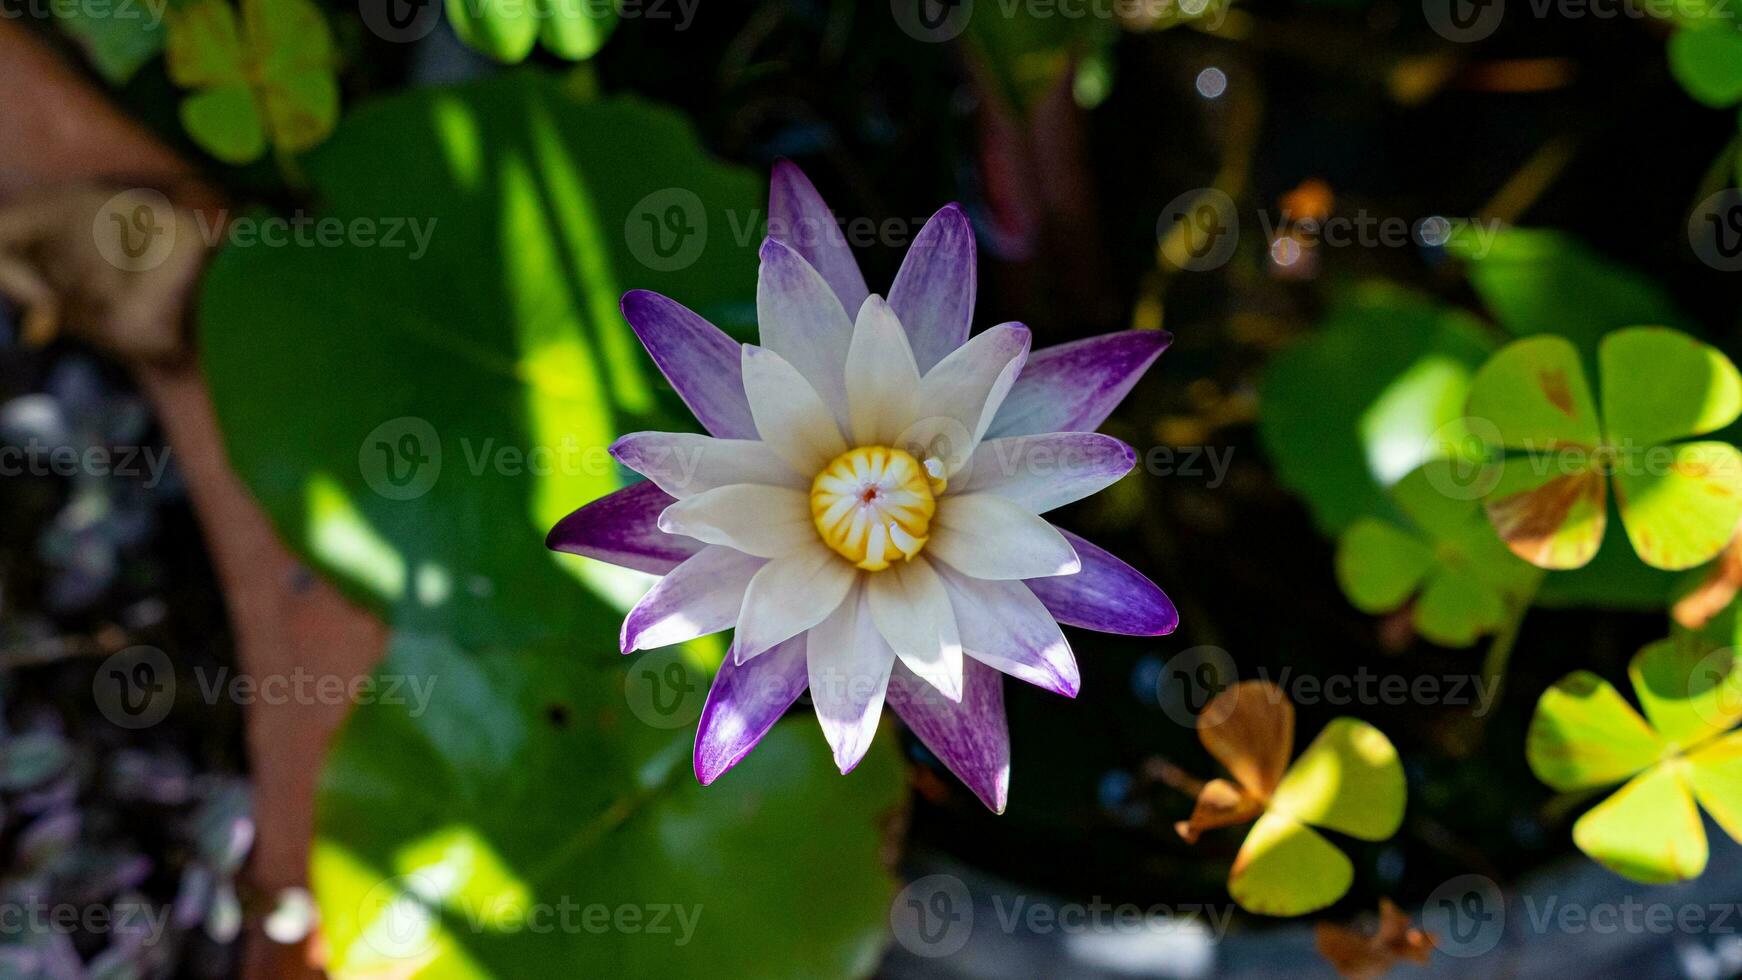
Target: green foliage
[(1349, 780), (1707, 61), (1535, 281), (266, 80), (1679, 501), (505, 831), (413, 407), (495, 349), (506, 30), (1586, 736), (1464, 580), (117, 43), (1376, 391), (1028, 54)]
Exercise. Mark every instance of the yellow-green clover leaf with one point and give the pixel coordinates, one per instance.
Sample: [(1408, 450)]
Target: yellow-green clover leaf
[(1348, 780), (1585, 735), (1679, 501), (1462, 578), (506, 30), (267, 79)]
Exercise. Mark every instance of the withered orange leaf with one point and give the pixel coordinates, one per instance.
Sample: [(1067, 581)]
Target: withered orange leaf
[(1359, 955)]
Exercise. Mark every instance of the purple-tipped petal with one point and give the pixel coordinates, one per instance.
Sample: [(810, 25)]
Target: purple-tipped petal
[(849, 673), (699, 360), (799, 318), (971, 738), (623, 529), (1042, 472), (1106, 595), (699, 597), (744, 703), (1074, 387), (798, 217), (1004, 626), (933, 294)]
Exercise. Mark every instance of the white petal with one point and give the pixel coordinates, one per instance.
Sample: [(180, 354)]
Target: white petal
[(849, 673), (788, 596), (912, 611), (700, 596), (684, 464), (1003, 625), (959, 396), (1045, 471), (799, 317), (882, 378), (985, 536), (765, 521), (791, 418)]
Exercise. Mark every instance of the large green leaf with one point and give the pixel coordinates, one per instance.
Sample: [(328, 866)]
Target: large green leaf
[(1537, 281), (524, 824), (416, 408), (1378, 390)]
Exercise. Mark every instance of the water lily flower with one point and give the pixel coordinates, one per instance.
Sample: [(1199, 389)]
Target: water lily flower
[(865, 512)]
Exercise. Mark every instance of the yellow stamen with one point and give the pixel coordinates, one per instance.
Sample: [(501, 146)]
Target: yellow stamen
[(874, 504)]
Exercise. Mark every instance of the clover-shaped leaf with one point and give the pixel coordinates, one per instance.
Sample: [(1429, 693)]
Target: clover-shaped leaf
[(506, 30), (1585, 735), (266, 80), (1460, 574), (1348, 780), (1679, 501)]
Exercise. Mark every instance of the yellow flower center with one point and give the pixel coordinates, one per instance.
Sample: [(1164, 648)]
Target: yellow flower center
[(875, 504)]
